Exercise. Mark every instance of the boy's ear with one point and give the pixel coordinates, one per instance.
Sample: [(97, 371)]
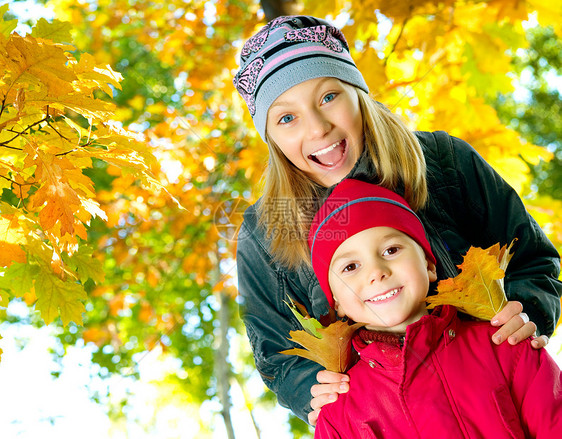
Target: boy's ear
[(431, 271), (337, 308)]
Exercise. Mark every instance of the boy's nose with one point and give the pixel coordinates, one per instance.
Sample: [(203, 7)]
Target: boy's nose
[(378, 273)]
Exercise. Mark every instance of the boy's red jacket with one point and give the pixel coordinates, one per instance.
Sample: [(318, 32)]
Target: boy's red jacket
[(449, 381)]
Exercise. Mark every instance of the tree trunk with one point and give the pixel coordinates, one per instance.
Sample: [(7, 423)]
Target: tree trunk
[(222, 367), (275, 8), (249, 405)]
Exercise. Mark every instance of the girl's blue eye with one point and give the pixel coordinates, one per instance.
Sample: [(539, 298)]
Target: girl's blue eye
[(329, 97), (287, 118)]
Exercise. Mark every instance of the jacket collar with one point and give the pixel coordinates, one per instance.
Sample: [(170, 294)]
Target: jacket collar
[(431, 332)]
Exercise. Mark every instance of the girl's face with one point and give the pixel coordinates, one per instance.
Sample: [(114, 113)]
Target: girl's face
[(380, 277), (318, 126)]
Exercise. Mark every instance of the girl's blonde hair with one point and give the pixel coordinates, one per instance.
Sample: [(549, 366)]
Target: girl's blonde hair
[(291, 198)]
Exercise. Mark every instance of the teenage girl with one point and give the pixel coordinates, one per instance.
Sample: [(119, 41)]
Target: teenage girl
[(310, 103)]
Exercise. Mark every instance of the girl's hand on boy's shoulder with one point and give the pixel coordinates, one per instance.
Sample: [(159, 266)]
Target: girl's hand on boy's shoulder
[(515, 326), (330, 385)]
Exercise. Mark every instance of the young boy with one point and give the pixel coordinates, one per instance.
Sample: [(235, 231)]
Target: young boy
[(419, 374)]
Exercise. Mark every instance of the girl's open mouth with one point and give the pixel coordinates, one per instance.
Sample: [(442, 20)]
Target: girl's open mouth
[(330, 155)]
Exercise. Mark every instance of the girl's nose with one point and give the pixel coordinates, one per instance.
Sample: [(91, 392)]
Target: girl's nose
[(318, 125)]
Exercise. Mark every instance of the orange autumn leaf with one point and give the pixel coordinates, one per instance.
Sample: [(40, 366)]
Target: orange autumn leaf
[(97, 335), (332, 350), (59, 200), (12, 236), (10, 253), (329, 346), (116, 304), (478, 290), (146, 312)]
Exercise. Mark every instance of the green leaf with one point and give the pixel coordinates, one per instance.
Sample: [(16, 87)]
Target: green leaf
[(57, 31), (4, 299), (6, 26), (86, 265), (18, 278), (54, 295), (309, 324)]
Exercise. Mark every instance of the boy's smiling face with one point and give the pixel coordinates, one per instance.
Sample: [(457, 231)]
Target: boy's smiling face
[(380, 277)]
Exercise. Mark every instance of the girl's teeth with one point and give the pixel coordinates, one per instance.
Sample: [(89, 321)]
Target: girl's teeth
[(384, 296), (325, 150)]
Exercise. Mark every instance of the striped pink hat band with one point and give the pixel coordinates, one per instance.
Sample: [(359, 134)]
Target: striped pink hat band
[(286, 52)]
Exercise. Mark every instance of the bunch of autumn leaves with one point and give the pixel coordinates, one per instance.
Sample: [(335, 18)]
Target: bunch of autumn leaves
[(478, 290), (55, 123)]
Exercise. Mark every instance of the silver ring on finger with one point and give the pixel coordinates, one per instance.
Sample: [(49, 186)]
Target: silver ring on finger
[(524, 317)]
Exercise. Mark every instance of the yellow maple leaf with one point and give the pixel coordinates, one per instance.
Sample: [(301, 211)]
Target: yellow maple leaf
[(548, 13), (95, 76), (478, 289), (58, 31), (38, 63)]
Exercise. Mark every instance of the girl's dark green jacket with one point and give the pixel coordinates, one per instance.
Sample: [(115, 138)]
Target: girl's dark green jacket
[(469, 205)]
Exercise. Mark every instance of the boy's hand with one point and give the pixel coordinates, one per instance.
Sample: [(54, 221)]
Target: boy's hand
[(330, 385), (515, 326)]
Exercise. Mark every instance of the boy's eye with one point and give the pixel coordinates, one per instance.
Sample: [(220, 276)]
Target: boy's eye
[(390, 251), (350, 267), (329, 97), (286, 119)]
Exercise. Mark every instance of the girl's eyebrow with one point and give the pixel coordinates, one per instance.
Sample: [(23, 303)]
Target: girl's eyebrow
[(278, 104)]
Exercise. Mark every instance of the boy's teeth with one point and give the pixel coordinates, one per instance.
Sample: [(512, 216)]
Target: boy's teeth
[(325, 150), (385, 296)]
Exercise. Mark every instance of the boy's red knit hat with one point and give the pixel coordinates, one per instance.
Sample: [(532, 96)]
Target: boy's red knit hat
[(352, 207)]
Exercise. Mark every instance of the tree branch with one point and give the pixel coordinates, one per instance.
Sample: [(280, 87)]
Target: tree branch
[(5, 144), (56, 131), (396, 41), (88, 143), (3, 104), (276, 8), (222, 367), (20, 185)]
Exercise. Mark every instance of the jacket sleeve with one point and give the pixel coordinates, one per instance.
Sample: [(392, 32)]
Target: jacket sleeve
[(263, 289), (325, 429), (537, 392), (490, 211)]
